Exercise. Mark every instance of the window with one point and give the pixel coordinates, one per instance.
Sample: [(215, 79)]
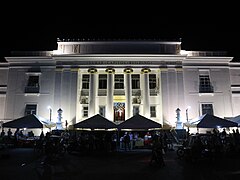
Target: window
[(205, 84), (85, 111), (102, 110), (152, 111), (135, 110), (119, 81), (33, 81), (76, 48), (135, 81), (207, 109), (32, 85), (152, 81), (85, 81), (102, 81), (30, 109)]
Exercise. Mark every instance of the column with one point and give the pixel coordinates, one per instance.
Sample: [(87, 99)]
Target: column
[(160, 99), (57, 90), (128, 93), (146, 106), (92, 92), (110, 89)]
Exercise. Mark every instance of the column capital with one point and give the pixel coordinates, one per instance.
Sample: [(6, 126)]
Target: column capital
[(145, 70), (92, 70), (110, 70), (128, 70)]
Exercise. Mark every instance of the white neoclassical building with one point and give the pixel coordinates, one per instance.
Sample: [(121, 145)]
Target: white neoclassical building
[(118, 79)]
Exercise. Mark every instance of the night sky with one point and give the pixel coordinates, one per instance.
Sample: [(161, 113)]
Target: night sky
[(39, 30)]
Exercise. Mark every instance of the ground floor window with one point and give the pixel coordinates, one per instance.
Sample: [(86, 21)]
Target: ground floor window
[(207, 109), (102, 110), (85, 111), (30, 109), (152, 111), (135, 110)]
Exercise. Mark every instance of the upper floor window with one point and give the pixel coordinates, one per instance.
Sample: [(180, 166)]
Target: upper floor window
[(119, 81), (85, 81), (207, 109), (30, 109), (33, 81), (32, 85), (135, 81), (152, 81), (205, 85), (102, 81)]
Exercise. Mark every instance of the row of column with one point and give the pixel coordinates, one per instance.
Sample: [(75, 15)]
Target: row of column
[(110, 92)]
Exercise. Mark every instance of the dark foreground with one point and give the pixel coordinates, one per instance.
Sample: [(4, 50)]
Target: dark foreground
[(24, 163)]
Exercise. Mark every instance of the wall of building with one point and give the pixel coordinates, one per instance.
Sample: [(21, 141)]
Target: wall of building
[(220, 98), (3, 90), (172, 93), (17, 99), (102, 100), (177, 77), (235, 89), (65, 93)]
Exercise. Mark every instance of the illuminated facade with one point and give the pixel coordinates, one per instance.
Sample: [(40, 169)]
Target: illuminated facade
[(118, 79)]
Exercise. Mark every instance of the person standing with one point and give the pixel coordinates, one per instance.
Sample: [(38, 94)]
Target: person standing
[(2, 133), (9, 133), (16, 136), (157, 151), (126, 140), (2, 138)]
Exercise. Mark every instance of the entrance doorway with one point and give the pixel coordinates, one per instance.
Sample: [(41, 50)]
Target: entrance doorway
[(119, 111)]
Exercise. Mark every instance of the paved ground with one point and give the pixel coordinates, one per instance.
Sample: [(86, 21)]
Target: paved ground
[(24, 163)]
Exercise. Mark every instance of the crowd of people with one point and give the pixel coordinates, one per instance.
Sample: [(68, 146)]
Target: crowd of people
[(58, 143), (212, 145), (15, 138), (55, 143)]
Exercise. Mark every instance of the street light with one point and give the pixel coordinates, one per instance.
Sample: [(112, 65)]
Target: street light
[(50, 113), (189, 107)]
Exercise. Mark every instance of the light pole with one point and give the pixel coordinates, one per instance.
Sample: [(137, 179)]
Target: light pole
[(66, 124), (187, 118), (50, 113)]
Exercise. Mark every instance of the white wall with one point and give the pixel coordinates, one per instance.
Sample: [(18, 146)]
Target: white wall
[(3, 90), (235, 82), (221, 98), (16, 98)]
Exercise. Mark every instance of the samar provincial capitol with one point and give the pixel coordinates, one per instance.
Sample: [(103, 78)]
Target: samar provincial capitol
[(118, 79)]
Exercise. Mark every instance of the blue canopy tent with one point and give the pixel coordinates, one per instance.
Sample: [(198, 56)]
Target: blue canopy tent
[(210, 121), (29, 121), (236, 119)]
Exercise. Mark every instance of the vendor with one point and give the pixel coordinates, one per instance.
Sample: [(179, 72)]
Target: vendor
[(147, 139)]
